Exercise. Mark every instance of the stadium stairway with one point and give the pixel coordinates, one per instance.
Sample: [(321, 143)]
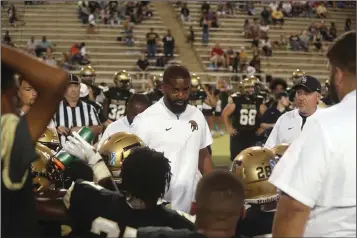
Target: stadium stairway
[(187, 56)]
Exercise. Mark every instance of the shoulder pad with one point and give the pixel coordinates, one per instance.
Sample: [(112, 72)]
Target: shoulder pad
[(260, 96), (132, 90), (104, 88)]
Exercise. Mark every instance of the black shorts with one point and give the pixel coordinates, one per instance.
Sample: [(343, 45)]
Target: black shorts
[(217, 114), (207, 112), (241, 142)]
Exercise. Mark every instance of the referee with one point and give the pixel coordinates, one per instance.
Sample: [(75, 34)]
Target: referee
[(74, 113)]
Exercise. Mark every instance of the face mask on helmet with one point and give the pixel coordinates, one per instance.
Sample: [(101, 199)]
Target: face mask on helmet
[(254, 166), (88, 75), (116, 148), (50, 139), (122, 79)]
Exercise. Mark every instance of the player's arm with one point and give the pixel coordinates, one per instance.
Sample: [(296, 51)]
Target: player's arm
[(49, 81), (227, 112), (212, 100), (262, 109)]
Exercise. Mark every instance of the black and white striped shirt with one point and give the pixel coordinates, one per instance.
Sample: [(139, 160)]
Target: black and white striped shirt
[(83, 114)]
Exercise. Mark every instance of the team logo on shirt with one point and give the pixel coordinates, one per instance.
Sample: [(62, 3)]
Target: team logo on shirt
[(194, 125)]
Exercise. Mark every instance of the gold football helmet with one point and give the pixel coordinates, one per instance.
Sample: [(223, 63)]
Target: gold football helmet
[(50, 139), (279, 150), (122, 79), (87, 74), (254, 166), (116, 148), (296, 75), (250, 82), (40, 179)]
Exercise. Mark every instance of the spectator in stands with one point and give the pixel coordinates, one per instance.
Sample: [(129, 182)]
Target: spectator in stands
[(249, 70), (304, 40), (317, 41), (142, 66), (247, 29), (278, 17), (255, 29), (217, 56), (169, 44), (264, 30), (230, 54), (11, 13), (286, 7), (220, 9), (273, 5), (265, 16), (49, 58), (235, 62), (307, 9), (205, 30), (243, 57), (295, 42), (205, 7), (255, 62), (190, 35), (152, 38), (333, 31), (348, 23), (214, 21), (7, 39), (42, 46), (251, 8), (321, 11), (267, 47), (282, 43), (83, 12), (31, 46), (185, 13), (91, 23)]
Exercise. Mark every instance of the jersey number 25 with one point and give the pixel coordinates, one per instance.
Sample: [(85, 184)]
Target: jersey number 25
[(247, 117), (116, 111)]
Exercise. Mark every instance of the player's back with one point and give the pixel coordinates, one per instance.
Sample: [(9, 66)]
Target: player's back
[(154, 95), (98, 212)]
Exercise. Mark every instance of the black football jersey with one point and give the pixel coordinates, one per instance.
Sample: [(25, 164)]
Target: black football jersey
[(197, 99), (255, 223), (98, 212), (117, 100), (18, 207), (154, 95), (246, 114)]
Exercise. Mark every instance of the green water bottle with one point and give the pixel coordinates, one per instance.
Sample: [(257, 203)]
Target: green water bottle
[(63, 158)]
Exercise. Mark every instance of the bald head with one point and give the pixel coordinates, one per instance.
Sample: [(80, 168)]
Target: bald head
[(219, 201)]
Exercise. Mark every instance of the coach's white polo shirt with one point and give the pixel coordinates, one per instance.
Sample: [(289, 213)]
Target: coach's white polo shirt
[(180, 138), (286, 129), (319, 170), (120, 125)]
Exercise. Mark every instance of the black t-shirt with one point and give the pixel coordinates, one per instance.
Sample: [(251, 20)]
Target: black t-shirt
[(117, 101), (255, 223), (143, 64), (154, 95), (18, 209), (169, 42), (98, 107), (151, 38), (270, 116), (245, 117), (99, 210)]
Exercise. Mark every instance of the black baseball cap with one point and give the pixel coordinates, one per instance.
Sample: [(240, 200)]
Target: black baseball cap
[(73, 79), (309, 83)]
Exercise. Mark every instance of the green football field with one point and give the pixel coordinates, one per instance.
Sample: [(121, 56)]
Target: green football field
[(220, 150)]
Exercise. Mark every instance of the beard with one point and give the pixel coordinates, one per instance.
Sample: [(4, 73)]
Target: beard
[(177, 106), (332, 90)]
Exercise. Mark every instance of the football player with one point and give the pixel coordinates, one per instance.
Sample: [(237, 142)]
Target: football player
[(245, 112), (145, 175), (87, 75), (156, 93), (202, 98), (117, 97), (254, 166)]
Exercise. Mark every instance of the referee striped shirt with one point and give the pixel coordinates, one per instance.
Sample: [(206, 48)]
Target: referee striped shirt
[(83, 114)]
